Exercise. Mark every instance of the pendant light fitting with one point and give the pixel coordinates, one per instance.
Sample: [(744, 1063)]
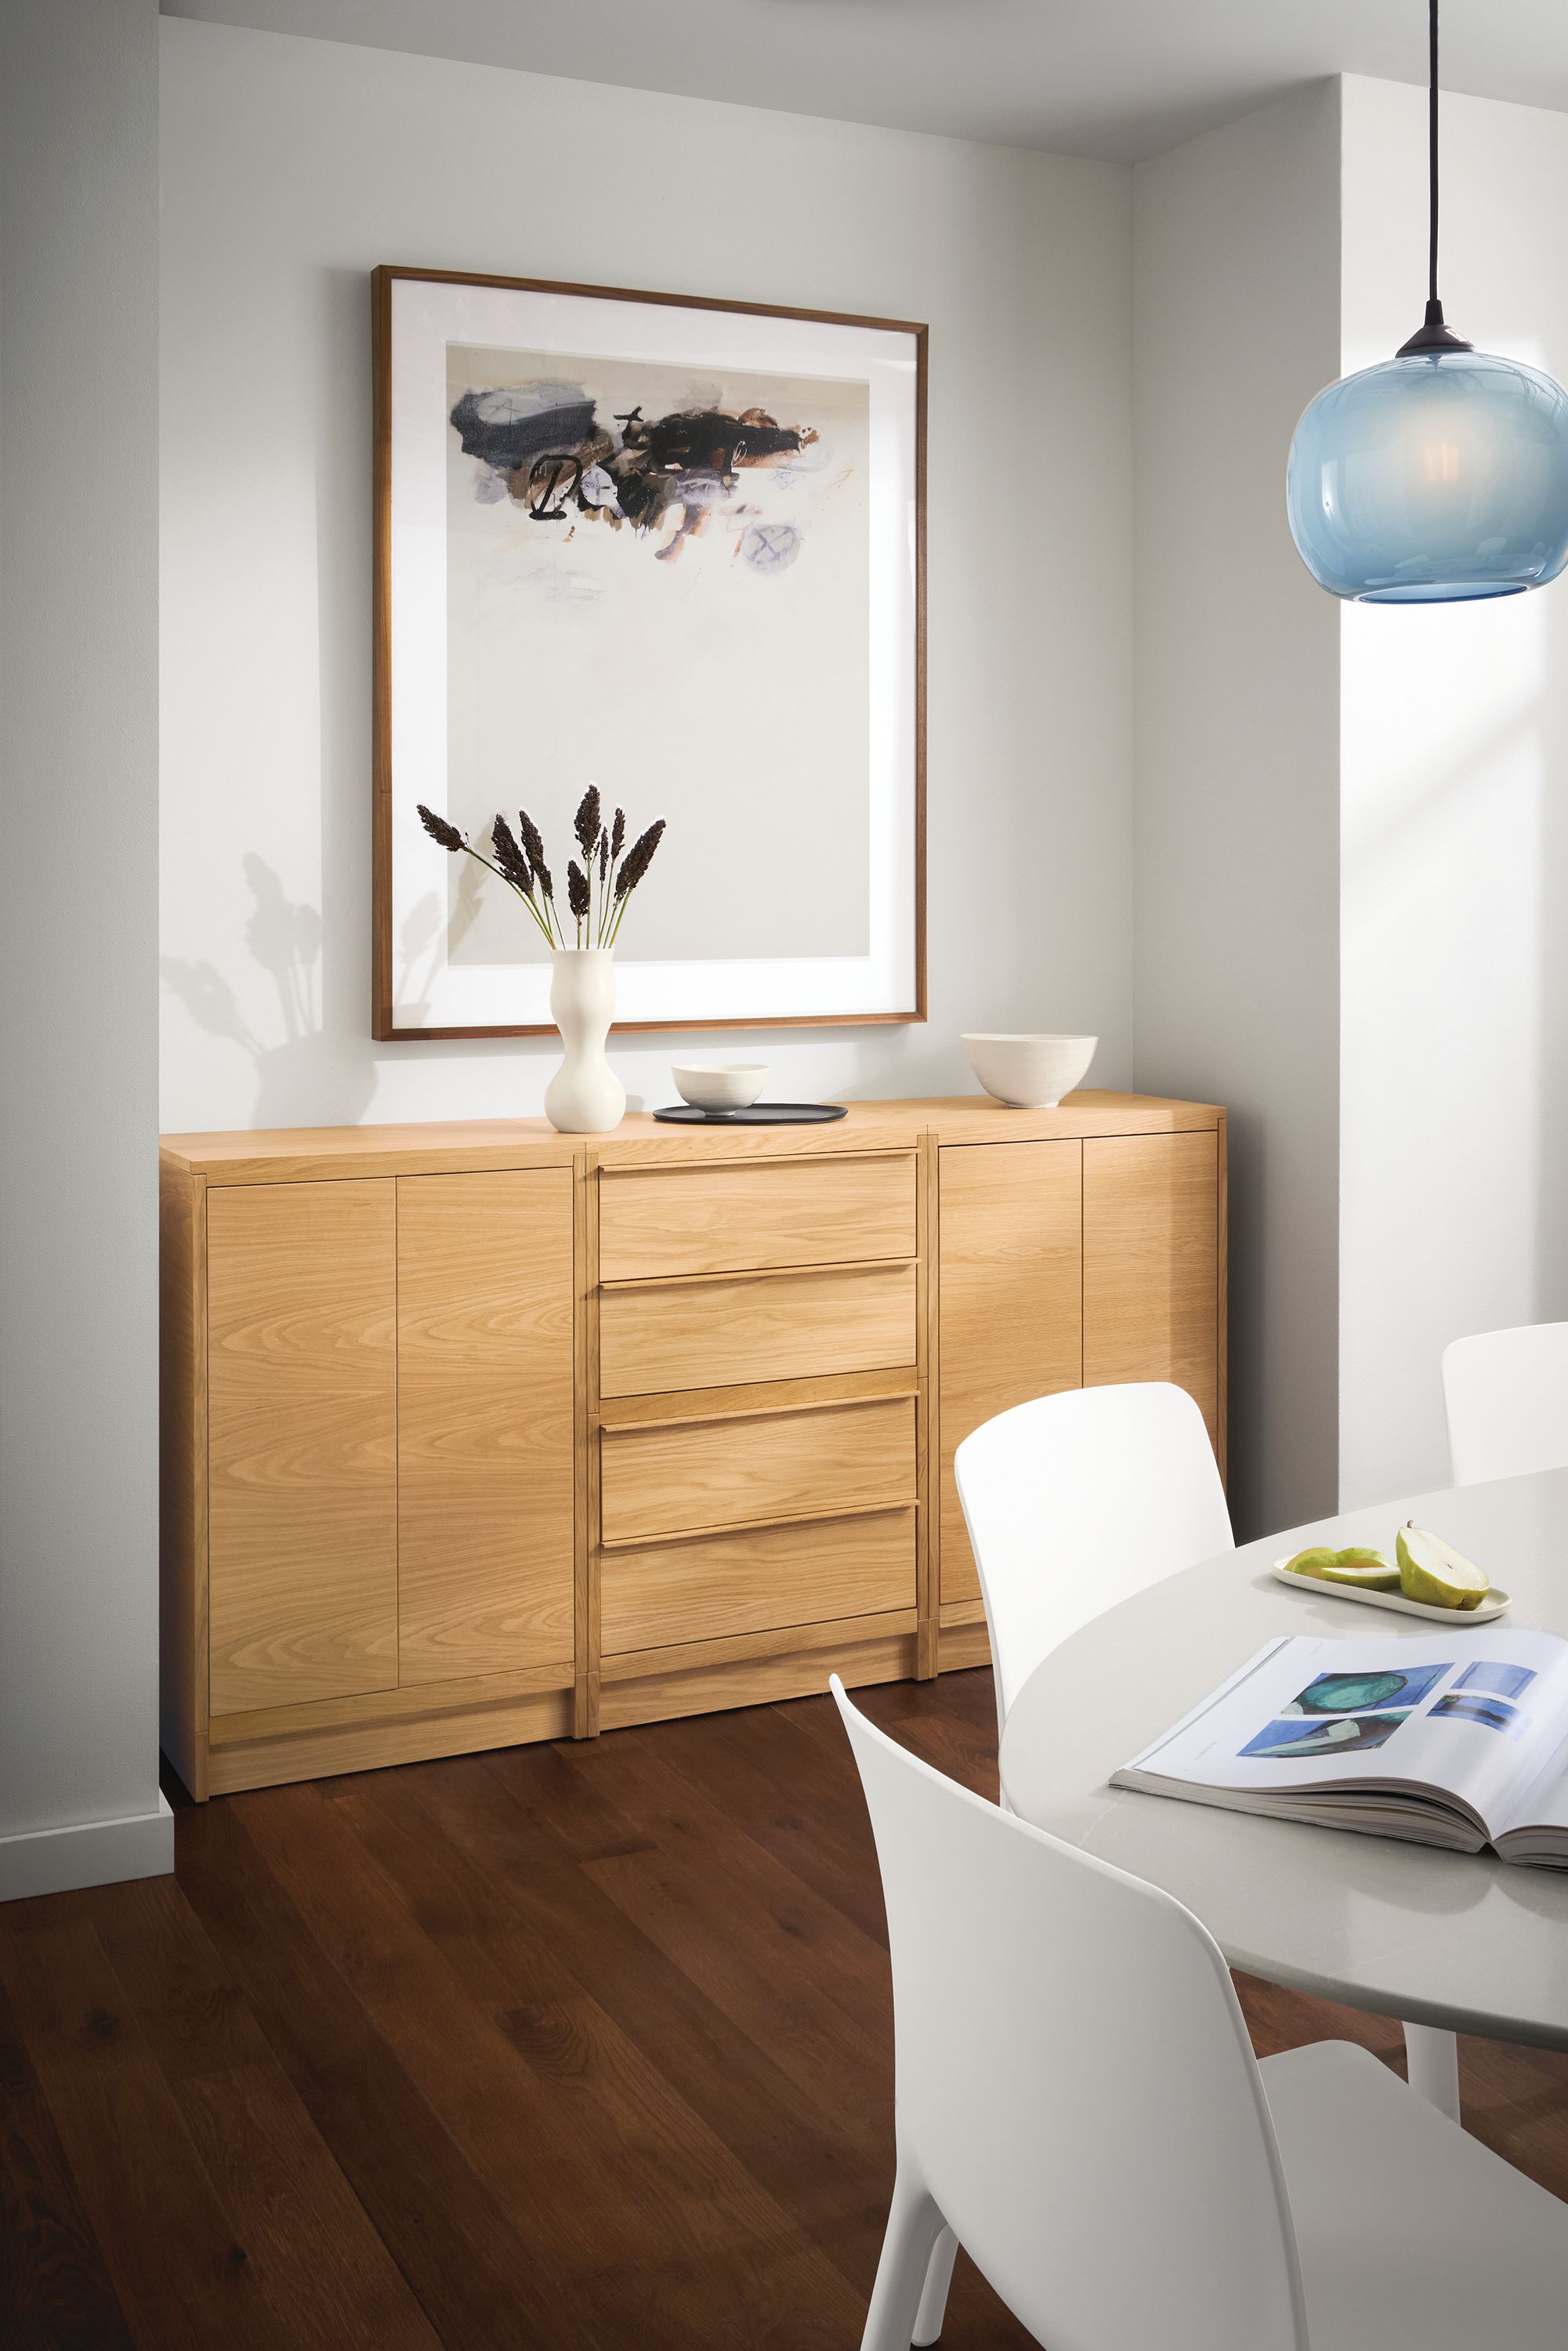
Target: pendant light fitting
[(1439, 476)]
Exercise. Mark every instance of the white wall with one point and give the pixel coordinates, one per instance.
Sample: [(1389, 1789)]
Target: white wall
[(78, 1702), (290, 168), (1454, 757), (1236, 307)]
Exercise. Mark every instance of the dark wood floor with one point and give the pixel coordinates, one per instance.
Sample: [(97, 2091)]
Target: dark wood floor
[(564, 2046)]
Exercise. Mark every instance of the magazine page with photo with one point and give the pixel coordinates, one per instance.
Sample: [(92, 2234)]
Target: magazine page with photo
[(1456, 1738), (1535, 1828)]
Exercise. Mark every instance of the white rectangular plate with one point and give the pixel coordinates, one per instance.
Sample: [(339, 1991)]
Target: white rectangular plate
[(1492, 1605)]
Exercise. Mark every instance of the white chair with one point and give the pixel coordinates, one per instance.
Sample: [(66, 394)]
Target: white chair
[(1077, 2099), (1073, 1503), (1506, 1394)]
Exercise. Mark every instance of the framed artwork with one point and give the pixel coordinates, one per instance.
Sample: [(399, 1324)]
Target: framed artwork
[(675, 547)]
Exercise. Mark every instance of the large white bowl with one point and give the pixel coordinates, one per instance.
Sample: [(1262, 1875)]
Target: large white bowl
[(719, 1086), (1029, 1072)]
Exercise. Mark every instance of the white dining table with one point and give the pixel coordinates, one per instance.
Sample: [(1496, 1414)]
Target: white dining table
[(1457, 1940)]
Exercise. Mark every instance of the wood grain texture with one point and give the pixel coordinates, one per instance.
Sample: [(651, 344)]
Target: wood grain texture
[(303, 2236), (339, 2085), (316, 1154), (302, 1374), (732, 1473), (739, 1648), (961, 1645), (182, 1629), (743, 1401), (726, 1344), (121, 2124), (721, 1585), (721, 1330), (700, 1688), (55, 2285), (1009, 1283), (485, 1452), (474, 2267), (723, 1218), (642, 1140), (928, 1208), (358, 1745), (374, 1707), (1151, 1264), (585, 1448), (501, 2048)]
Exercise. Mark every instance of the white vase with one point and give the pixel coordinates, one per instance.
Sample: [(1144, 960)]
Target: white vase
[(585, 1096)]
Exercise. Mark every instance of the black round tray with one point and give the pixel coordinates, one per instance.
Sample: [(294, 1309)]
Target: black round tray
[(754, 1114)]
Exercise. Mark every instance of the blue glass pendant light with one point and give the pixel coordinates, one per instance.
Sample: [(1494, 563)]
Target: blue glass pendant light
[(1439, 476)]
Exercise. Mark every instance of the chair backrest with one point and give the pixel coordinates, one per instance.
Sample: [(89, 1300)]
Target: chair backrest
[(1075, 1501), (1075, 2085), (1506, 1394)]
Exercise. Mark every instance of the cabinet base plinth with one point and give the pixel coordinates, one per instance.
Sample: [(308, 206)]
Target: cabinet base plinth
[(320, 1751), (707, 1689)]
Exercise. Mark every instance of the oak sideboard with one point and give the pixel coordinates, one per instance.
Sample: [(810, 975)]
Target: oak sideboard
[(480, 1433)]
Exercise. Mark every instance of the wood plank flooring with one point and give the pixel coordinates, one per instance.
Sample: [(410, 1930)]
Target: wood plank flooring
[(584, 2048)]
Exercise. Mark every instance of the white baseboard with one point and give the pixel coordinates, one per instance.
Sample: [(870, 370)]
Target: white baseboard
[(88, 1853)]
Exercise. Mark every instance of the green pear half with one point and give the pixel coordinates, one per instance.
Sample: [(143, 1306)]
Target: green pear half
[(1432, 1570), (1358, 1565)]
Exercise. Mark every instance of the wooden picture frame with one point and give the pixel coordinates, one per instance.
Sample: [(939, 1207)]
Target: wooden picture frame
[(429, 979)]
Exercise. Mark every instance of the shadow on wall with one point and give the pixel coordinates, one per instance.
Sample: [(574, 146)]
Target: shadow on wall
[(285, 939)]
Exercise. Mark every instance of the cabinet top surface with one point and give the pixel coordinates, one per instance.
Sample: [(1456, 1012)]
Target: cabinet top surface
[(285, 1153)]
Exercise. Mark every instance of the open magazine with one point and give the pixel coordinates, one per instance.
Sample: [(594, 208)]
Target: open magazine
[(1455, 1738)]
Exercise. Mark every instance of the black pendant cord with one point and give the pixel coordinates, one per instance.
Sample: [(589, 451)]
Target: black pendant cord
[(1433, 335), (1432, 162)]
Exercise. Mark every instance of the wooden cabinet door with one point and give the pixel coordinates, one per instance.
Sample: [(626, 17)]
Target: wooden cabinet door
[(1009, 1272), (485, 1423), (302, 1406), (1151, 1263)]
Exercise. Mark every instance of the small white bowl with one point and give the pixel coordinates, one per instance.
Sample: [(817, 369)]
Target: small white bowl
[(1029, 1072), (719, 1086)]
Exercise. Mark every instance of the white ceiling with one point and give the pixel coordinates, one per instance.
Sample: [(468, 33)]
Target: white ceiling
[(1123, 79)]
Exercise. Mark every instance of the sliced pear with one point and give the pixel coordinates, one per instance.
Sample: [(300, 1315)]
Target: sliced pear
[(1318, 1561), (1359, 1565), (1432, 1570), (1374, 1570)]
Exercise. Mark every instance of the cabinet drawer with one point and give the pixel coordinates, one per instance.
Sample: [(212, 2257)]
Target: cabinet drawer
[(736, 1220), (754, 1583), (726, 1473), (772, 1326)]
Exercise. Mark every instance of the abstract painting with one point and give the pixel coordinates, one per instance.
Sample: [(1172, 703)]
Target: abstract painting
[(675, 548)]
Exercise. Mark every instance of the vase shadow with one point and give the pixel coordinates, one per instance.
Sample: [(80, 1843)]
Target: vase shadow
[(301, 1074)]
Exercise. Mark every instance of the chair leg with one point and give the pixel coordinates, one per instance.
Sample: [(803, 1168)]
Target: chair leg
[(1432, 2067), (934, 2299), (914, 2224)]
